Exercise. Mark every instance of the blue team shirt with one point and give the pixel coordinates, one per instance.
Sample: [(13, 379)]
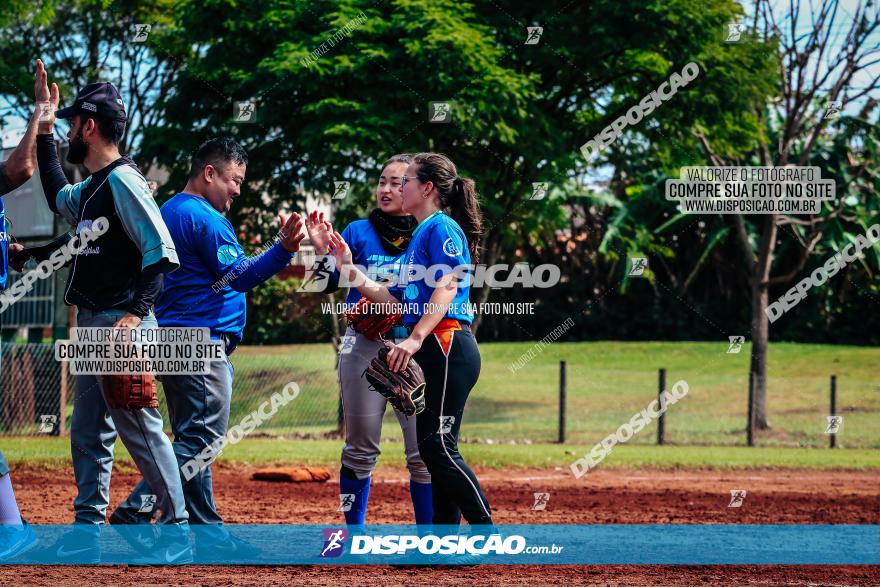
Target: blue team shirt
[(4, 247), (208, 290), (437, 241), (367, 251)]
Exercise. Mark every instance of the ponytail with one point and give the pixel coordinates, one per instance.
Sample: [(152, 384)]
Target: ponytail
[(458, 195), (464, 208)]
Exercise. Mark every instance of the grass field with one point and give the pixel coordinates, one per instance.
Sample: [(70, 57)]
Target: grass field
[(607, 383), (53, 451)]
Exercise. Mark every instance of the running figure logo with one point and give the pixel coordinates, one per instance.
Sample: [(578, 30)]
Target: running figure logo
[(834, 424), (346, 500), (533, 34), (141, 32), (539, 190), (347, 345), (439, 112), (48, 423), (46, 110), (341, 188), (334, 542), (541, 500), (737, 496), (736, 343), (446, 424), (833, 109), (734, 32), (148, 502), (244, 111), (317, 278), (639, 264)]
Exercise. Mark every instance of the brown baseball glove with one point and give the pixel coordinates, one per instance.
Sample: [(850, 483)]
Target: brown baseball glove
[(369, 321), (405, 390), (131, 392)]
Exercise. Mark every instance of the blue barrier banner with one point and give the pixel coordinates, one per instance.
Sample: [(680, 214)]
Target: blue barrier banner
[(613, 544)]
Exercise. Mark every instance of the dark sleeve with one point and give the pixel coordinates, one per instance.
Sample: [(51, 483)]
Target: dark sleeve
[(41, 253), (147, 290), (332, 283), (51, 175), (5, 182)]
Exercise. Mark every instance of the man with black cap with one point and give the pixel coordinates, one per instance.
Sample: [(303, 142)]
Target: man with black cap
[(114, 282)]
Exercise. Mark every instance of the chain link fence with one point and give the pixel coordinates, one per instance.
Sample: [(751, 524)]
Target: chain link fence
[(605, 387), (32, 383), (36, 390)]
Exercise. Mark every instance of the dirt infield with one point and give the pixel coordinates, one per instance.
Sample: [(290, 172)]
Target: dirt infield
[(604, 496)]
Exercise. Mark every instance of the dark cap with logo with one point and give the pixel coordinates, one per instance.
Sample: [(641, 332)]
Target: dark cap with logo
[(101, 99)]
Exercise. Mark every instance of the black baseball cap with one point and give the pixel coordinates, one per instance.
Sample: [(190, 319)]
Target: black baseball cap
[(100, 99)]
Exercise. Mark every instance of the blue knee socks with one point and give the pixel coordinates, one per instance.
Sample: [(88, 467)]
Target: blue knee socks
[(420, 493), (360, 488), (422, 502)]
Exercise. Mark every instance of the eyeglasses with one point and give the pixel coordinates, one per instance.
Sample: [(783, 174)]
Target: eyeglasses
[(404, 179)]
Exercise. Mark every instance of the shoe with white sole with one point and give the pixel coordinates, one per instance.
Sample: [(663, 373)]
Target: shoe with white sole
[(79, 546), (171, 547)]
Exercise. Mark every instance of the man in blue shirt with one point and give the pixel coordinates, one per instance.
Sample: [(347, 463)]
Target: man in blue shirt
[(208, 291), (16, 536)]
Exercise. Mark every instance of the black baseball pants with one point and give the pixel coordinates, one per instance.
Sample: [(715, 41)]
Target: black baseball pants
[(450, 378)]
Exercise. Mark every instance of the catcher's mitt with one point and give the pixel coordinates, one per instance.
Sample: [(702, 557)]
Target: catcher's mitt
[(130, 392), (366, 318), (405, 390)]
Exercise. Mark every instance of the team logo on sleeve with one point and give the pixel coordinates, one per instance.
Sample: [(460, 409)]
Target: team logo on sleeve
[(451, 248), (226, 254)]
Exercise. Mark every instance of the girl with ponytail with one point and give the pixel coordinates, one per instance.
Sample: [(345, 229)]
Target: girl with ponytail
[(378, 243), (437, 315)]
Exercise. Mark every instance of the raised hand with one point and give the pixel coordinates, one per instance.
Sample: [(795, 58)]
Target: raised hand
[(340, 250), (319, 232), (291, 232), (47, 99)]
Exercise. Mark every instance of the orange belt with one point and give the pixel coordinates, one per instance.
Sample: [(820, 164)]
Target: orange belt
[(443, 331)]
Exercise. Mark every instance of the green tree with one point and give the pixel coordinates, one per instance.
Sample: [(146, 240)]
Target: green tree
[(814, 75), (331, 110), (85, 41)]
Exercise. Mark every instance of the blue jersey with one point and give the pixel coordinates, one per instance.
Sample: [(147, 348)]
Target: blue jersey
[(208, 290), (438, 243), (4, 247), (5, 187), (367, 251)]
